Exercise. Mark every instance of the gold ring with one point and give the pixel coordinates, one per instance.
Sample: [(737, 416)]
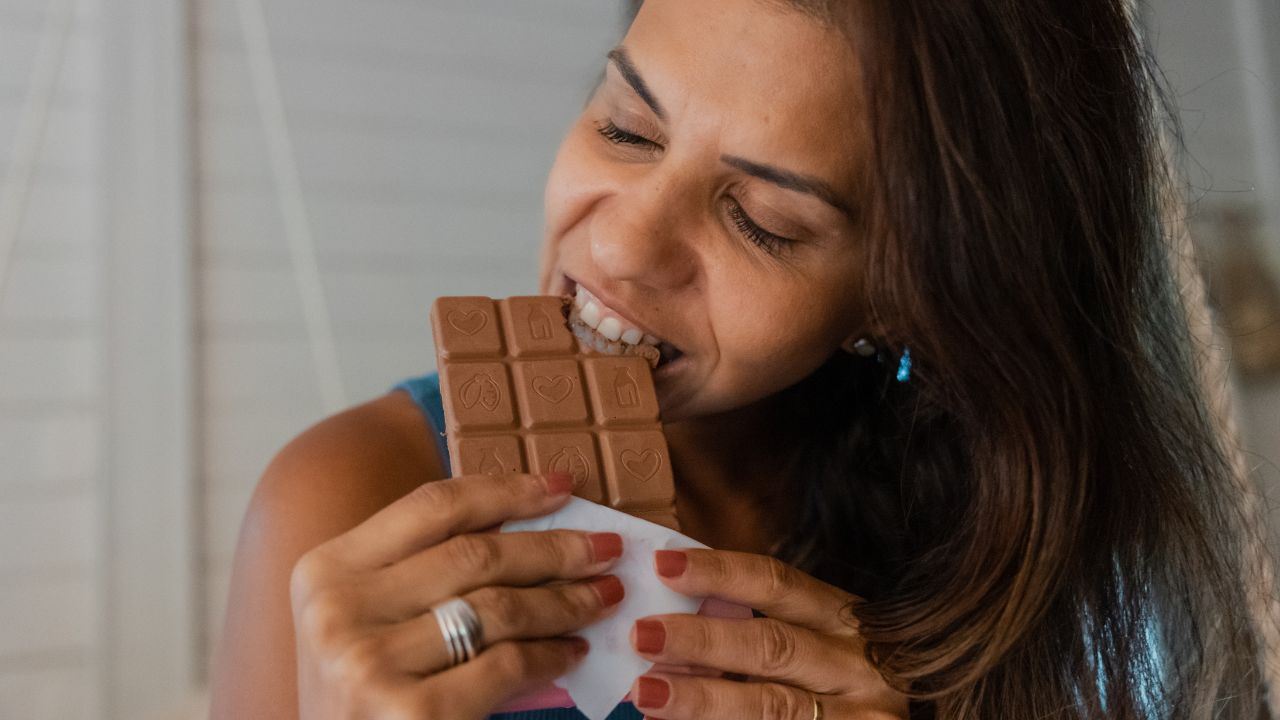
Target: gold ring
[(817, 706)]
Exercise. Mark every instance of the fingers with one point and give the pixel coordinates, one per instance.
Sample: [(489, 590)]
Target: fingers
[(674, 696), (470, 690), (762, 648), (500, 673), (435, 511), (758, 581), (682, 697), (514, 613), (472, 560), (417, 646)]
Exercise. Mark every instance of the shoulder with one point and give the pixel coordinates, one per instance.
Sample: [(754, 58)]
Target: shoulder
[(347, 466), (328, 479)]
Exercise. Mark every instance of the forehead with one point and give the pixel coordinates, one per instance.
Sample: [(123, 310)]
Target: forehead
[(770, 83)]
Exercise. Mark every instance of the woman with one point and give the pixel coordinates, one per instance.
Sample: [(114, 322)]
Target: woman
[(927, 382)]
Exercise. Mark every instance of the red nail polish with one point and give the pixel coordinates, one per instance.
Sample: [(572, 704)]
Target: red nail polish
[(559, 483), (653, 692), (579, 646), (605, 546), (651, 636), (610, 590), (670, 563)]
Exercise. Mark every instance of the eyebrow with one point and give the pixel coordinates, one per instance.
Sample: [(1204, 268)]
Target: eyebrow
[(777, 176), (622, 59), (790, 181)]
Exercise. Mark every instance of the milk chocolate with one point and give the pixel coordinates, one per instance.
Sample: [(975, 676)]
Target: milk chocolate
[(522, 394)]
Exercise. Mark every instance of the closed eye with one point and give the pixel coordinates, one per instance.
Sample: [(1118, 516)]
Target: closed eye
[(765, 240), (617, 135), (770, 243)]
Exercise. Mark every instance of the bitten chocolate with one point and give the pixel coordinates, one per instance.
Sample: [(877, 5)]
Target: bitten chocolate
[(522, 395)]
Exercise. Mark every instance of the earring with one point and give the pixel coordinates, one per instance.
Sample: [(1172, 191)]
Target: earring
[(904, 366), (863, 348)]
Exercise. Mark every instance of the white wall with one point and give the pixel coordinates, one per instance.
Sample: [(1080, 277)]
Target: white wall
[(51, 390)]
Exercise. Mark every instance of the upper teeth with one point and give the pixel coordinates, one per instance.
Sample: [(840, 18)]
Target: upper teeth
[(610, 327), (600, 318)]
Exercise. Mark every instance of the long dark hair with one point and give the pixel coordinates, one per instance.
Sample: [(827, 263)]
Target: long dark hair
[(1042, 522)]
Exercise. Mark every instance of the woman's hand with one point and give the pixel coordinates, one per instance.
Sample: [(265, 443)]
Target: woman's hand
[(806, 648), (367, 645)]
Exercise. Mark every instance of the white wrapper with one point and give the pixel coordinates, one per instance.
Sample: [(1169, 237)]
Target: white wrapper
[(602, 680)]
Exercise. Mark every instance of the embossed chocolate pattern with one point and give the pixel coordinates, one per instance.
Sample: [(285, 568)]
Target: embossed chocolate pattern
[(480, 389), (643, 465), (570, 460), (521, 395), (539, 324), (468, 323), (553, 389)]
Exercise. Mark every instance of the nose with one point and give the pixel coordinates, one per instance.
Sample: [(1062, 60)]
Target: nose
[(645, 238)]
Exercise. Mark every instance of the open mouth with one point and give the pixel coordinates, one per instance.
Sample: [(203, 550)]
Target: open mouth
[(604, 330)]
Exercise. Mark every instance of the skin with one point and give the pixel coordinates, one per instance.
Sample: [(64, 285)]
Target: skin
[(326, 602), (646, 225)]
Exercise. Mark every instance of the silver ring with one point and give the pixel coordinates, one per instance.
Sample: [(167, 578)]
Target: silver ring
[(460, 628), (817, 706)]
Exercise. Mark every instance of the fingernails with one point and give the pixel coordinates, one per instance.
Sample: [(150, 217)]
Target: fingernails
[(558, 483), (670, 563), (579, 646), (651, 636), (610, 590), (653, 692), (605, 546)]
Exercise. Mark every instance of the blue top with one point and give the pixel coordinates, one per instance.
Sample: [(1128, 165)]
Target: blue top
[(425, 391)]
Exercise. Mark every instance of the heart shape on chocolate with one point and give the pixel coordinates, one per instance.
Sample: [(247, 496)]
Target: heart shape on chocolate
[(643, 465), (553, 389), (468, 323)]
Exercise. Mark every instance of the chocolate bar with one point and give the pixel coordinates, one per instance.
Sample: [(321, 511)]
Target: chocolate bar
[(521, 394)]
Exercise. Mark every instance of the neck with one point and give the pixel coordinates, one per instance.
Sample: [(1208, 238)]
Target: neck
[(730, 493)]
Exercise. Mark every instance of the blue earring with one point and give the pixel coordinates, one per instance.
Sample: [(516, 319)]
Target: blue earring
[(904, 366)]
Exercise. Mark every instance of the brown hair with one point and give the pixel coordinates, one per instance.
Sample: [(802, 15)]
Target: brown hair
[(1042, 522)]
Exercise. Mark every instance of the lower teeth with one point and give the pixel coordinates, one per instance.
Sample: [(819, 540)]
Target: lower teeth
[(593, 340)]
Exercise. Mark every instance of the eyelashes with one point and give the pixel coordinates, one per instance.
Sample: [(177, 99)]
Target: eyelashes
[(771, 243), (618, 135), (767, 241)]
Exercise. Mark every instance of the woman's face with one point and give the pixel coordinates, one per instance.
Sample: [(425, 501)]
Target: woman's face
[(706, 198)]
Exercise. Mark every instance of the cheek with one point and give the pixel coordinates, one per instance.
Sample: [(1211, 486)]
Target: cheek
[(775, 335), (566, 199), (574, 180)]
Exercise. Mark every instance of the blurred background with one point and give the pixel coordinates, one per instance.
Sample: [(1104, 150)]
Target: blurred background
[(222, 219)]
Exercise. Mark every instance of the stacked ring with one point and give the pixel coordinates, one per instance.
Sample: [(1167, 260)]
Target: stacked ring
[(460, 628)]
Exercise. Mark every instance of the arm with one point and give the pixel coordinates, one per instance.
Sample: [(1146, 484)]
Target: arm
[(327, 480)]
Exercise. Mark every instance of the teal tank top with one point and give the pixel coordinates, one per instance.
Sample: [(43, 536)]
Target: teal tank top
[(425, 391)]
